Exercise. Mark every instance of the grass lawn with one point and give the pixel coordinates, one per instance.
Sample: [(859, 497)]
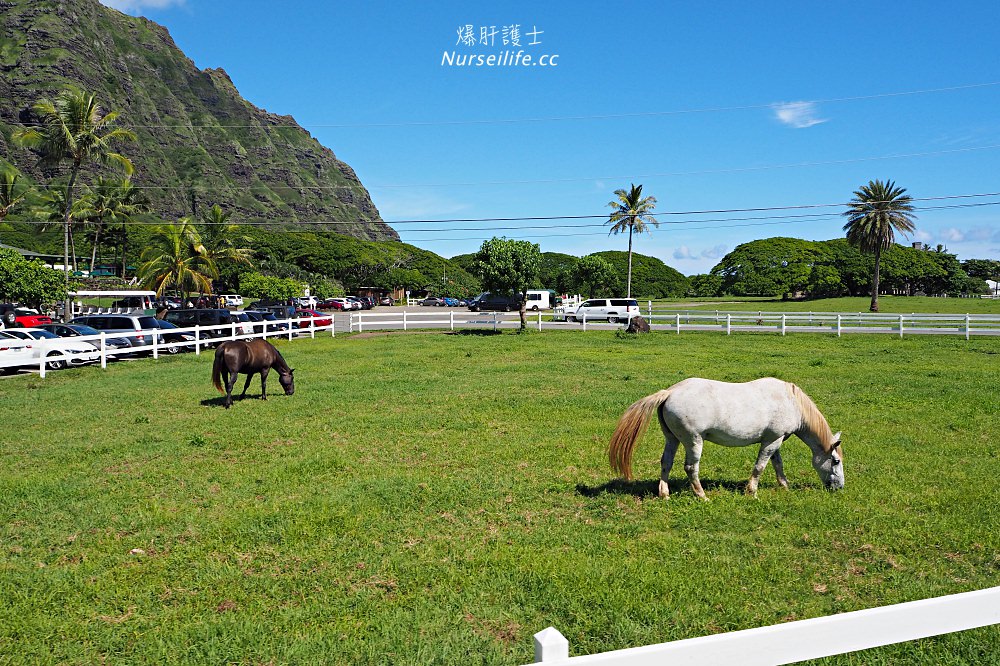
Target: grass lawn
[(887, 304), (438, 498)]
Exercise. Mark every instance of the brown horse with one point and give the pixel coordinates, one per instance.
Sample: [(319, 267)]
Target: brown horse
[(249, 357)]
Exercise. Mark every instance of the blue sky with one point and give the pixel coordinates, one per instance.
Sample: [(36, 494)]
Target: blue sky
[(711, 106)]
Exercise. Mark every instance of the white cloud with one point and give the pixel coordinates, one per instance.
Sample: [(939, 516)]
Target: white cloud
[(797, 114), (922, 236), (716, 252), (135, 6), (683, 252), (952, 234)]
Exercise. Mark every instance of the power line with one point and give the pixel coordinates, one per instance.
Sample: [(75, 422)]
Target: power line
[(607, 116)]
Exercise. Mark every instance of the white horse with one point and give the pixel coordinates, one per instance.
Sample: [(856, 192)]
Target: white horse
[(766, 410)]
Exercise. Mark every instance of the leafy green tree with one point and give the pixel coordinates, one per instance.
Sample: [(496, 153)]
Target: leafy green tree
[(703, 286), (983, 269), (176, 259), (111, 203), (631, 211), (596, 276), (29, 281), (73, 128), (824, 282), (768, 267), (876, 212), (269, 287), (10, 193), (556, 272), (507, 266)]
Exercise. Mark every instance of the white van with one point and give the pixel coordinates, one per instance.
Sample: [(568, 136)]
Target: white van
[(612, 309), (539, 299)]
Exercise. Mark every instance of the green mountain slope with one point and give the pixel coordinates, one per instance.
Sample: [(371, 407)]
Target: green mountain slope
[(199, 141)]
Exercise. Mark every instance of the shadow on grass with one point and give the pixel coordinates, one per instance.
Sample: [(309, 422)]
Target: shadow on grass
[(651, 488), (475, 331)]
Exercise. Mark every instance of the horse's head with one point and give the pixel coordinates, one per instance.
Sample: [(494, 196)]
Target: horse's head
[(287, 381), (830, 465)]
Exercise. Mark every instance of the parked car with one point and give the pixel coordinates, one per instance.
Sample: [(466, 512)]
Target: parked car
[(614, 309), (16, 353), (233, 300), (387, 300), (331, 304), (265, 317), (432, 301), (279, 310), (48, 344), (190, 317), (319, 319), (500, 302), (307, 301), (168, 334), (15, 315), (450, 302), (76, 330), (137, 327)]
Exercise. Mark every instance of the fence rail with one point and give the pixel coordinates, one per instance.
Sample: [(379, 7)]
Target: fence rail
[(797, 641), (151, 341), (839, 323)]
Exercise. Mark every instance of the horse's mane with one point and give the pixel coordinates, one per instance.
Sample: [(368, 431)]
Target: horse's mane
[(812, 419)]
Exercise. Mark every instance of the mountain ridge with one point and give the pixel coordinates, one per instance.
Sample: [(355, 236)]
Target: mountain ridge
[(199, 141)]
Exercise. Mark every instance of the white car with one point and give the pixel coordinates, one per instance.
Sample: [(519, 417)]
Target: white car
[(307, 301), (15, 353), (612, 309), (233, 300), (45, 344)]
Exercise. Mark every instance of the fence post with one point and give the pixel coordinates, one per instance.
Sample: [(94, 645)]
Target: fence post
[(838, 326), (729, 324), (539, 321), (550, 645), (156, 345), (585, 321), (404, 320), (451, 319), (678, 323), (41, 366), (649, 308), (966, 326), (900, 325), (104, 351), (290, 326), (782, 324), (494, 321), (197, 339), (351, 323)]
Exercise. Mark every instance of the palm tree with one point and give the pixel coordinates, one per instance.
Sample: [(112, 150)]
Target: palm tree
[(111, 202), (632, 211), (176, 259), (220, 237), (9, 196), (875, 213), (73, 128)]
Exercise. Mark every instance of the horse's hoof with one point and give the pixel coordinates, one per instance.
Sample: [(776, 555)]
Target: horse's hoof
[(663, 491)]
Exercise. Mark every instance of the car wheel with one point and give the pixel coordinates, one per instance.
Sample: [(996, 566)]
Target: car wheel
[(506, 308), (9, 318), (58, 364), (612, 320), (172, 350), (534, 308)]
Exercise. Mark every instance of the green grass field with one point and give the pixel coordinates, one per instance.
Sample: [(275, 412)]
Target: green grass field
[(887, 304), (438, 498)]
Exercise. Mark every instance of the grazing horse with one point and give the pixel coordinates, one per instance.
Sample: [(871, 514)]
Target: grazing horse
[(767, 411), (249, 357)]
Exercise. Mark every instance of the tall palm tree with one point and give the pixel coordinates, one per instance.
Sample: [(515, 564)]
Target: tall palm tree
[(632, 211), (875, 213), (10, 193), (221, 237), (176, 259), (109, 203), (73, 128)]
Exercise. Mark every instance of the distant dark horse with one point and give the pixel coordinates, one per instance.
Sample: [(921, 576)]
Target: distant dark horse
[(249, 357)]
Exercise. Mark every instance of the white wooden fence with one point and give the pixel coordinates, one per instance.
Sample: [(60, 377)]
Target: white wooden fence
[(202, 336), (838, 323), (796, 641)]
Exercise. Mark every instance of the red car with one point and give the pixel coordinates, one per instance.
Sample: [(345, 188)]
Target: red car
[(23, 317), (318, 318)]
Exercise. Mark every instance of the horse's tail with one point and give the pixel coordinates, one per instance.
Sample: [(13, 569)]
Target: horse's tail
[(630, 429), (217, 370)]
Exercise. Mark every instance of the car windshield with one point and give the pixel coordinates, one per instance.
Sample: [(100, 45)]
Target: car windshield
[(162, 323), (269, 316), (44, 335), (84, 330)]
